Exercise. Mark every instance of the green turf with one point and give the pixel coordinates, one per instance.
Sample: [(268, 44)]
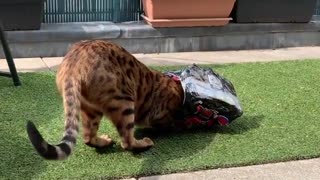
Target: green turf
[(280, 122)]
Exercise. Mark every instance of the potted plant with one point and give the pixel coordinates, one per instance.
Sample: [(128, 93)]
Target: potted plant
[(21, 14), (186, 13), (271, 11)]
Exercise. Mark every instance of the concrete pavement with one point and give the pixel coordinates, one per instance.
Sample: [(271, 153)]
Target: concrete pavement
[(210, 57), (294, 170)]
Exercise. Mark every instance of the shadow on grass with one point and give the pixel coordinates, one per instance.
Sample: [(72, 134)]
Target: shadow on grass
[(6, 82), (171, 146), (241, 125)]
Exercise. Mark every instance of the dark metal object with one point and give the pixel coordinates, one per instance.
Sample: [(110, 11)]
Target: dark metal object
[(13, 72)]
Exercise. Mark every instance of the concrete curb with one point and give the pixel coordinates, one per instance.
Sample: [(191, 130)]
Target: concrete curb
[(133, 30), (66, 32), (53, 40), (142, 30)]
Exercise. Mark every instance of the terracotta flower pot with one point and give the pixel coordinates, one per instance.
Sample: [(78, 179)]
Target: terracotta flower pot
[(175, 13)]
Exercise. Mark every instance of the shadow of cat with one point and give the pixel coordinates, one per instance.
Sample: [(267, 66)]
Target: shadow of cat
[(171, 146)]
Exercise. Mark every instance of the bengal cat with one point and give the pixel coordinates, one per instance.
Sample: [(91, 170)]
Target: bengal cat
[(98, 78)]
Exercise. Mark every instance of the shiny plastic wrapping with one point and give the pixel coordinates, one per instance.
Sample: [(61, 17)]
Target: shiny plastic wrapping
[(203, 86)]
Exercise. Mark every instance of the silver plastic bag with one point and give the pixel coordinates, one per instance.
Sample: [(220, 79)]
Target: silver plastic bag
[(209, 97)]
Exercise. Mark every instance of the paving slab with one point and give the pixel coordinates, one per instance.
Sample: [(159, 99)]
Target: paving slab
[(25, 65), (222, 57), (293, 170), (52, 62), (184, 58)]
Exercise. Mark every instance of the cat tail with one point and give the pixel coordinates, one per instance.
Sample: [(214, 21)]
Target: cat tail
[(71, 100)]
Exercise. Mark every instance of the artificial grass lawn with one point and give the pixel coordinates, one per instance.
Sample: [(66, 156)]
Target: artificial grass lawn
[(280, 122)]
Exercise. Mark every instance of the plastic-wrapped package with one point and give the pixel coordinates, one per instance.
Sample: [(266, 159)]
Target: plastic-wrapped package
[(209, 98)]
